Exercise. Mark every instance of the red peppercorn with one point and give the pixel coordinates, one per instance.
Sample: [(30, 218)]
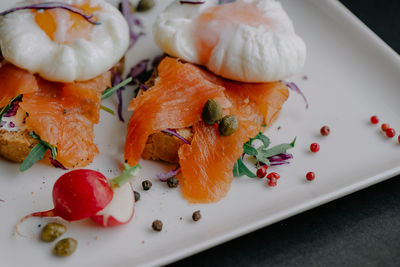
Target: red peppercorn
[(310, 176), (314, 147), (385, 126), (261, 172), (374, 119), (390, 132), (325, 131), (398, 139), (273, 175), (272, 182)]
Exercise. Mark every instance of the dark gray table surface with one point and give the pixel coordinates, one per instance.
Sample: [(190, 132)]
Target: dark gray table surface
[(362, 229)]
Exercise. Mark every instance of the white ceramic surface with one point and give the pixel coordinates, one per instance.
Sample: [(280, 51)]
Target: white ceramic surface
[(351, 74)]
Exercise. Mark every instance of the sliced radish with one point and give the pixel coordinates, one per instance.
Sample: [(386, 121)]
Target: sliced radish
[(81, 194), (120, 210)]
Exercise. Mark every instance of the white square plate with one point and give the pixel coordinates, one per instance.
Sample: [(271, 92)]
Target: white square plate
[(351, 74)]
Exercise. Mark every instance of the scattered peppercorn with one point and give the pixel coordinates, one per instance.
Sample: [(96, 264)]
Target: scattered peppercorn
[(390, 133), (145, 5), (65, 247), (52, 231), (157, 225), (273, 175), (146, 185), (137, 196), (261, 172), (212, 112), (374, 119), (310, 176), (196, 216), (385, 126), (325, 131), (172, 182), (314, 147), (272, 182), (228, 125)]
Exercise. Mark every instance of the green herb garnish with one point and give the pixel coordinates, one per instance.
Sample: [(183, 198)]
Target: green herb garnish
[(262, 154), (240, 169), (107, 93), (37, 153), (5, 109)]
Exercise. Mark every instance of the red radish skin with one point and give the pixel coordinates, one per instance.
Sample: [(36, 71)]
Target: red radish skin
[(120, 210)]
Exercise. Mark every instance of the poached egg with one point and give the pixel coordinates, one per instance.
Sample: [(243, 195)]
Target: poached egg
[(247, 40), (62, 46)]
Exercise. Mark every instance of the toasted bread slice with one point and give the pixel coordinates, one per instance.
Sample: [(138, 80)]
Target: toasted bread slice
[(16, 145), (163, 146)]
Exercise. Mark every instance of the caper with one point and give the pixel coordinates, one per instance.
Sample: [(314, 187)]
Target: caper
[(65, 247), (145, 5), (212, 112), (228, 125), (52, 231)]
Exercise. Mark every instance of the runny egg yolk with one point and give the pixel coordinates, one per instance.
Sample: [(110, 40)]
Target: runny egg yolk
[(221, 18), (63, 26)]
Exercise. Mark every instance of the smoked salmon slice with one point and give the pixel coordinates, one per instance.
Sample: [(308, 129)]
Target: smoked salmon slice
[(64, 116), (207, 163), (176, 101), (15, 81)]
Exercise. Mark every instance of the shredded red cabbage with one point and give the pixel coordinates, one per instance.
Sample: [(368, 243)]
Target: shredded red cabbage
[(143, 87), (13, 109), (192, 2), (11, 124), (57, 164), (140, 73), (163, 177), (130, 18), (280, 157), (53, 5), (174, 133), (296, 89), (117, 80), (139, 69), (156, 60)]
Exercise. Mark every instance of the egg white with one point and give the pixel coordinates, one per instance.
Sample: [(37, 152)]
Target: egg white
[(244, 53), (26, 45)]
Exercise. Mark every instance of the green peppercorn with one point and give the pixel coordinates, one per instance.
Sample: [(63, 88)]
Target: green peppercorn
[(65, 247), (228, 125), (172, 182), (145, 5), (52, 231), (212, 112)]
